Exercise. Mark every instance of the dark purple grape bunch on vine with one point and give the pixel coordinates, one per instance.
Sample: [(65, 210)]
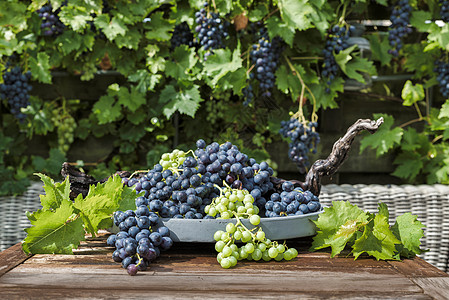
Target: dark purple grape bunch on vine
[(182, 35), (442, 70), (444, 10), (303, 140), (265, 55), (336, 41), (211, 29), (399, 29), (51, 24), (15, 89)]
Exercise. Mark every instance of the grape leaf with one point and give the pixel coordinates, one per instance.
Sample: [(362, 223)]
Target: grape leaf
[(385, 138), (158, 28), (75, 16), (55, 192), (233, 80), (379, 48), (276, 27), (296, 13), (418, 20), (185, 101), (40, 67), (410, 164), (377, 240), (337, 226), (409, 231), (57, 231), (130, 40), (444, 111), (145, 80), (110, 27), (222, 62), (13, 13), (383, 209), (132, 100), (184, 59), (440, 35), (107, 110), (412, 93)]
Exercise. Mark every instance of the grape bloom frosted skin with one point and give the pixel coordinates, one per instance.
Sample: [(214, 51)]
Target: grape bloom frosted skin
[(15, 89), (51, 24), (400, 19)]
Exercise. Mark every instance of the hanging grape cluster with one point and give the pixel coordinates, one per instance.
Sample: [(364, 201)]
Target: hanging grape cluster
[(336, 41), (15, 89), (51, 24), (442, 70), (400, 19), (302, 141), (211, 29), (181, 36), (265, 57)]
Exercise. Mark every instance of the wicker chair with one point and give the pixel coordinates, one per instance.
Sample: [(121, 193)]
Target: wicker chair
[(429, 202)]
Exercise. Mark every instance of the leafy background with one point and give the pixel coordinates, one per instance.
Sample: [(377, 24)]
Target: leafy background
[(153, 98)]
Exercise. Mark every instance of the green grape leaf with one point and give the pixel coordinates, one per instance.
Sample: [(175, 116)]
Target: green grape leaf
[(132, 100), (296, 13), (377, 240), (59, 231), (444, 111), (40, 67), (130, 40), (107, 110), (325, 99), (338, 225), (233, 80), (55, 192), (418, 20), (356, 67), (412, 140), (110, 27), (258, 13), (276, 27), (145, 80), (440, 35), (383, 209), (159, 28), (184, 101), (69, 41), (13, 13), (75, 16), (385, 138), (409, 231), (379, 48), (412, 93), (222, 62), (184, 59), (409, 165)]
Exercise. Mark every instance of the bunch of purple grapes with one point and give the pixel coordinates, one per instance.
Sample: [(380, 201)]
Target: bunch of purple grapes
[(265, 56), (181, 36), (444, 10), (15, 89), (336, 41), (400, 19), (140, 239), (302, 141), (291, 201), (51, 24), (212, 31), (442, 70)]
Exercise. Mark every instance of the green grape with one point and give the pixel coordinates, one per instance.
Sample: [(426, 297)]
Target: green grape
[(219, 246), (217, 235), (230, 228), (260, 236), (235, 254), (255, 220), (279, 257), (219, 257), (234, 247), (226, 215), (257, 254), (172, 160), (273, 252), (288, 255), (227, 251), (233, 261), (238, 235), (249, 247), (243, 253), (262, 247), (266, 256), (226, 263), (212, 212), (280, 248), (246, 236), (294, 252), (225, 236)]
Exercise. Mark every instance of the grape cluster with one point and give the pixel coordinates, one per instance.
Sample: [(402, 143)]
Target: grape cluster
[(444, 10), (51, 24), (255, 244), (336, 41), (248, 93), (190, 183), (291, 201), (211, 30), (265, 56), (400, 19), (302, 141), (140, 239), (15, 89), (231, 202), (181, 36), (442, 69), (66, 126)]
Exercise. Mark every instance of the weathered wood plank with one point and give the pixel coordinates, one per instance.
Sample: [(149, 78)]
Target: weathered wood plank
[(131, 293), (437, 287), (417, 267), (11, 257)]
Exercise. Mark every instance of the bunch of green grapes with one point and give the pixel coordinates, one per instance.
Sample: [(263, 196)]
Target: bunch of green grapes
[(255, 245), (232, 202), (66, 126), (172, 160), (218, 106)]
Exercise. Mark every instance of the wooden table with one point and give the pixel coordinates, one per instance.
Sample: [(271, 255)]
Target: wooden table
[(190, 270)]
